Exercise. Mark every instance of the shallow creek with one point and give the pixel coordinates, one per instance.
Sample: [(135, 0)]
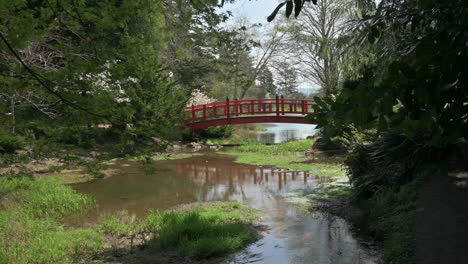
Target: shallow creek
[(292, 236)]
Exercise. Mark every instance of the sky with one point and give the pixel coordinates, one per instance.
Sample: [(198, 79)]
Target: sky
[(257, 11)]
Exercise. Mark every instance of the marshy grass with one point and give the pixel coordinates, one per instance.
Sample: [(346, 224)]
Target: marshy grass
[(202, 231), (29, 228), (286, 148), (288, 155)]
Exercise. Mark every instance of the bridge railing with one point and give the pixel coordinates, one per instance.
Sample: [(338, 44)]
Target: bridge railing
[(237, 108)]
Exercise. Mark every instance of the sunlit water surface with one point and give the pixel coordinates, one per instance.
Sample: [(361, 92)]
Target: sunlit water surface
[(280, 132), (293, 236)]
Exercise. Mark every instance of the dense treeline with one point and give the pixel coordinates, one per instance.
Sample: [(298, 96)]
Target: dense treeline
[(87, 73)]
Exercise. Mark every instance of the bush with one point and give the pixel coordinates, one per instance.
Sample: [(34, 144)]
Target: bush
[(390, 161), (10, 143), (216, 132), (86, 137)]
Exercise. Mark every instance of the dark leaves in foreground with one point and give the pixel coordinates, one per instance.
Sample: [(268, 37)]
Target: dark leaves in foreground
[(290, 5)]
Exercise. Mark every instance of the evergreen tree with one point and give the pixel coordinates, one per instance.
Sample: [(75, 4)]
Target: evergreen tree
[(286, 79), (266, 82)]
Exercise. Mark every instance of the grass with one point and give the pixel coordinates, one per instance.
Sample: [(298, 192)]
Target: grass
[(296, 146), (294, 162), (201, 232), (389, 217), (29, 228)]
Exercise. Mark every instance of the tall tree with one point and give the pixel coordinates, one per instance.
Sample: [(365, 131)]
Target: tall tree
[(286, 79), (315, 41), (266, 82), (86, 63)]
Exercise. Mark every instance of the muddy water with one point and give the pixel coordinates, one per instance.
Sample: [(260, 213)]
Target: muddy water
[(293, 236)]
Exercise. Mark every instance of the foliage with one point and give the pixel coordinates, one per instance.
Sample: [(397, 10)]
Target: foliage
[(417, 84), (318, 42), (389, 217), (389, 161), (216, 132), (10, 143), (286, 79), (98, 62)]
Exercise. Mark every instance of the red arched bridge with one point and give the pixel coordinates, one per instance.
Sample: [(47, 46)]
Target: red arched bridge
[(278, 110)]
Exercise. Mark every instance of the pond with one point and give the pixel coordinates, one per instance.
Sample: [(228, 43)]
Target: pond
[(292, 236)]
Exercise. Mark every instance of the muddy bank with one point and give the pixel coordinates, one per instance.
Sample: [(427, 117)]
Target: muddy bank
[(79, 168)]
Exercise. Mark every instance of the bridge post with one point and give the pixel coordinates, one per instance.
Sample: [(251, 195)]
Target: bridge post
[(204, 112), (227, 107), (303, 107), (193, 112), (277, 105), (282, 104), (236, 106)]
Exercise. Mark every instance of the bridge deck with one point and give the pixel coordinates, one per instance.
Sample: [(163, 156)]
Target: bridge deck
[(278, 110)]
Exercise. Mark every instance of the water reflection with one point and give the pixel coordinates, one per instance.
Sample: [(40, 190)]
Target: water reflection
[(293, 237), (279, 132)]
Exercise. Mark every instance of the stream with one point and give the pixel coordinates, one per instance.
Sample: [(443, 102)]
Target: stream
[(292, 236)]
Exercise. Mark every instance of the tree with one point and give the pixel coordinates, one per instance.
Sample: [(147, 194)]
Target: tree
[(286, 79), (316, 42), (85, 64), (417, 86), (266, 82)]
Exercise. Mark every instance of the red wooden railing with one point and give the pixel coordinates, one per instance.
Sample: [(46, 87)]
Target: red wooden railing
[(248, 108)]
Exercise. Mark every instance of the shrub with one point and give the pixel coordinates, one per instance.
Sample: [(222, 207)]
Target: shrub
[(86, 137), (10, 143), (216, 132), (389, 161)]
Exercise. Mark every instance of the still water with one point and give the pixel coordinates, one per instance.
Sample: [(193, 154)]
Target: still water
[(279, 132), (292, 237)]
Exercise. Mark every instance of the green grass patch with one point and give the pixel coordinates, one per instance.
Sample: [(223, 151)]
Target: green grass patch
[(286, 155), (296, 146), (294, 162), (43, 198), (29, 231), (201, 231), (165, 156)]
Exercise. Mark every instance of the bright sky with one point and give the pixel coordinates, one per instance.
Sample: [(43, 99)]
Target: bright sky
[(257, 11)]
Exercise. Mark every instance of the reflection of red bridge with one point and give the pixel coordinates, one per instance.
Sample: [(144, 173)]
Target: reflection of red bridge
[(277, 110)]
